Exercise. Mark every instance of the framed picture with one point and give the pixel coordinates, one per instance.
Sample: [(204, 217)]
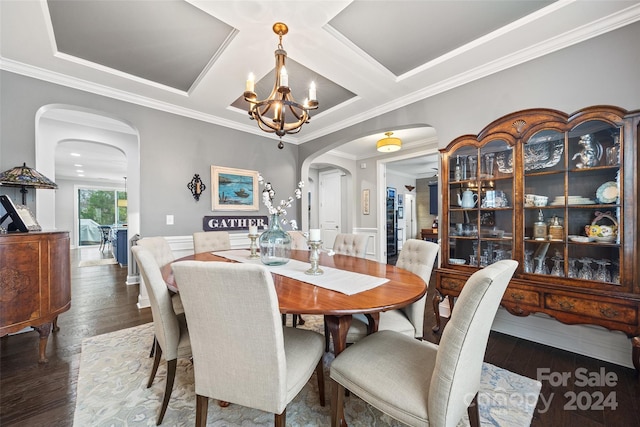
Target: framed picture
[(400, 199), (234, 189), (21, 217), (365, 202), (400, 212)]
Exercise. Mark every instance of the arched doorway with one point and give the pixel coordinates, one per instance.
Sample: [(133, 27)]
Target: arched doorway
[(57, 123)]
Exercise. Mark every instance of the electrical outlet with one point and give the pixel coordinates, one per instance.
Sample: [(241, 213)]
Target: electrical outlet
[(169, 219)]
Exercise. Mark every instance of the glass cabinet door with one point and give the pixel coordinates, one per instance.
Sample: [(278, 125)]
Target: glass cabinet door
[(571, 203), (481, 204)]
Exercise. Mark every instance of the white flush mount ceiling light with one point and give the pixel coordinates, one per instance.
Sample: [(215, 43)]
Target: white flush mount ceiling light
[(389, 144), (280, 104)]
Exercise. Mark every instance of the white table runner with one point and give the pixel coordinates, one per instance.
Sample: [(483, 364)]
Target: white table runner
[(343, 281)]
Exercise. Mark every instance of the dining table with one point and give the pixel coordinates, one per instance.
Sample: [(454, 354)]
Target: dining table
[(298, 296)]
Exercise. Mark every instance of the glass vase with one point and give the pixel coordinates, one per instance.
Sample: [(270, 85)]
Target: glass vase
[(275, 244)]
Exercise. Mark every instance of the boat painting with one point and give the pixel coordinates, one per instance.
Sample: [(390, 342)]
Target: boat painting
[(232, 189)]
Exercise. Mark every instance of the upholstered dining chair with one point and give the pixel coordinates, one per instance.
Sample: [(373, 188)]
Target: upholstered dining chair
[(260, 364), (162, 253), (171, 334), (298, 241), (420, 383), (351, 244), (418, 257), (208, 241)]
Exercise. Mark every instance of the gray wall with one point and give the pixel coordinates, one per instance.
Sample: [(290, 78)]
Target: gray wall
[(603, 70), (172, 149)]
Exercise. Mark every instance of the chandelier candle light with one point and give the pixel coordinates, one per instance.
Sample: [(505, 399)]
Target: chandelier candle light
[(280, 101)]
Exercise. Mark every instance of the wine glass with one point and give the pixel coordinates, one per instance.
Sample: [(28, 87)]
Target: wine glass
[(557, 269), (615, 277), (602, 273), (541, 266), (528, 261), (573, 270), (586, 272), (499, 255), (488, 164), (473, 167)]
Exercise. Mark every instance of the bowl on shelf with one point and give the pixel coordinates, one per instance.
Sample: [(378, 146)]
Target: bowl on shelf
[(605, 239), (581, 239), (457, 261)]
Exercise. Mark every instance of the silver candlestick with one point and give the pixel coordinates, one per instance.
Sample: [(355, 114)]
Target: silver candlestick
[(314, 258), (253, 247)]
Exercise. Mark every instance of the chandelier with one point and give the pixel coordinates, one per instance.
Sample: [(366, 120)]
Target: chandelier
[(389, 144), (280, 104)]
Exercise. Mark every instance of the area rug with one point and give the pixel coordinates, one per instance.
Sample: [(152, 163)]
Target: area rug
[(114, 369), (94, 262)]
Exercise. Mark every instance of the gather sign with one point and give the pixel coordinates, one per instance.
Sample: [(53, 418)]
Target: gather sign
[(230, 223)]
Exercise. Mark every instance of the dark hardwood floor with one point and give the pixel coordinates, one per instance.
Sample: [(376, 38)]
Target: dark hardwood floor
[(45, 395)]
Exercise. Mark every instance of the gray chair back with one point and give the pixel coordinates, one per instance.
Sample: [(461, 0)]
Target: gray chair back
[(298, 241), (159, 248), (418, 257), (214, 301), (165, 321), (458, 366), (207, 241), (351, 244)]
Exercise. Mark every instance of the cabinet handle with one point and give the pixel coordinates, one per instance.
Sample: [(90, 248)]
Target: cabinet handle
[(565, 305), (609, 312), (517, 297)]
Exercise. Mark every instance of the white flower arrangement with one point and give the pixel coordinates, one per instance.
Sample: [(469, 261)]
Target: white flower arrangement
[(281, 210)]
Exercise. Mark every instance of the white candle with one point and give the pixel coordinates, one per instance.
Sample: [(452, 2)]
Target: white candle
[(250, 83), (284, 77), (314, 235), (312, 91), (253, 230)]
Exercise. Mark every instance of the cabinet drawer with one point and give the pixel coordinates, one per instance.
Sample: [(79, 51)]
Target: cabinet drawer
[(520, 296), (595, 309), (451, 284)]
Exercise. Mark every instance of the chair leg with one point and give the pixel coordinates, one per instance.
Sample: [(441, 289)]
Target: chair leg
[(156, 362), (202, 407), (337, 404), (171, 376), (320, 375), (474, 412), (153, 346), (326, 338), (280, 420)]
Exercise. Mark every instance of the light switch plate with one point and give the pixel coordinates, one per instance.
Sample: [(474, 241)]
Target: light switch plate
[(169, 219)]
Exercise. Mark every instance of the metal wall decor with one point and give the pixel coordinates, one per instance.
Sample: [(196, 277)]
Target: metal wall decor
[(196, 186)]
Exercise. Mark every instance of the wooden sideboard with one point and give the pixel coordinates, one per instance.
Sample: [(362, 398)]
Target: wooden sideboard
[(35, 282)]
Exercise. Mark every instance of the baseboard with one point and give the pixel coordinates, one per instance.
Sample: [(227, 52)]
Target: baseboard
[(588, 340)]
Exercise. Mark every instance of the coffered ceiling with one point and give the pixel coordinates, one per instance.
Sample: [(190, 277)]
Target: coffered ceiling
[(366, 57)]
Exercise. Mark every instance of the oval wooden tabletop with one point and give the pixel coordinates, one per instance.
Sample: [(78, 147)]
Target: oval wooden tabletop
[(296, 297)]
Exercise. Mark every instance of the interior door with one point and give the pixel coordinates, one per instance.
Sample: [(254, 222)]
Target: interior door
[(330, 206)]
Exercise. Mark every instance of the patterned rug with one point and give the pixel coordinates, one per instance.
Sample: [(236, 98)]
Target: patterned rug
[(114, 369)]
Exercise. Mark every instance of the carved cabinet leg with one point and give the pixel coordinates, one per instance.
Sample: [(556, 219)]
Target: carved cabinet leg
[(635, 355), (437, 299), (44, 331)]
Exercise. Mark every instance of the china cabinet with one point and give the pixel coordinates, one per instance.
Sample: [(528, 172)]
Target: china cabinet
[(559, 194)]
